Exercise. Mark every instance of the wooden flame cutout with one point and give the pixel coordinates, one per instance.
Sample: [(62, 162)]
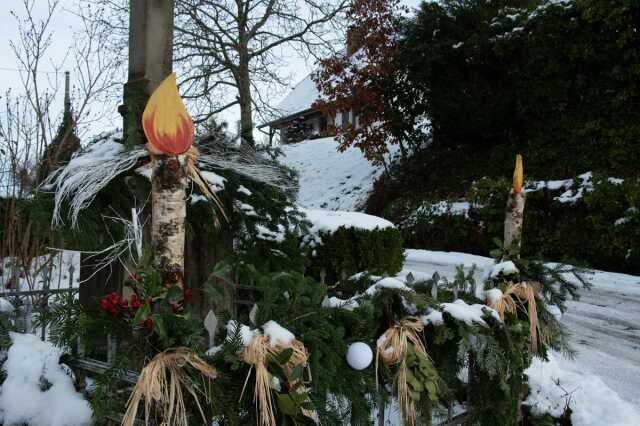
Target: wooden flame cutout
[(518, 175), (166, 122)]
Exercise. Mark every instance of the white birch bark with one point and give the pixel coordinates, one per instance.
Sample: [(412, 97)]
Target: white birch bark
[(169, 182), (513, 221)]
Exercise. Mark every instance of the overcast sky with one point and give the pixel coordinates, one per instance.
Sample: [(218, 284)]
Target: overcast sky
[(63, 26)]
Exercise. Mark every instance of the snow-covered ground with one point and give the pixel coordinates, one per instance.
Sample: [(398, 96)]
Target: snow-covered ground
[(605, 331), (329, 179)]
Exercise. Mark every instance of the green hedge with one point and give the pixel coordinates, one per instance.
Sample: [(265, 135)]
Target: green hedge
[(348, 251), (600, 229)]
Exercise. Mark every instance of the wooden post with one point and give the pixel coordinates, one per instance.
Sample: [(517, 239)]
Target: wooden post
[(150, 63), (150, 60), (514, 212)]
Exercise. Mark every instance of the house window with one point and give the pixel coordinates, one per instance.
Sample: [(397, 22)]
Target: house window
[(345, 118), (323, 123)]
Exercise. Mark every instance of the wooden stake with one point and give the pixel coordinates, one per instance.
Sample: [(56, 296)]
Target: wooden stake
[(514, 212)]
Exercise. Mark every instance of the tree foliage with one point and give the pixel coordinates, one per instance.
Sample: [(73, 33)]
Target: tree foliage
[(356, 81), (552, 79)]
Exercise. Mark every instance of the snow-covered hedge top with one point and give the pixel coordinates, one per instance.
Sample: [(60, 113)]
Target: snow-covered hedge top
[(329, 221)]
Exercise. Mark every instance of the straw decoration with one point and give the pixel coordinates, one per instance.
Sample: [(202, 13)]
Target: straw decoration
[(392, 349), (256, 354), (162, 383), (514, 298)]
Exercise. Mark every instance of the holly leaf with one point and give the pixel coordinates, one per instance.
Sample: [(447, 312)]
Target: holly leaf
[(286, 405), (174, 293), (142, 314), (159, 327), (283, 357)]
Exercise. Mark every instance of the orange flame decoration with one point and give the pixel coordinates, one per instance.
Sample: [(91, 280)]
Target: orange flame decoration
[(518, 175), (166, 122)]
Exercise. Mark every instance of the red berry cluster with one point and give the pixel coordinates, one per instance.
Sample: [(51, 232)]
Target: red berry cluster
[(113, 304), (148, 324), (188, 295)]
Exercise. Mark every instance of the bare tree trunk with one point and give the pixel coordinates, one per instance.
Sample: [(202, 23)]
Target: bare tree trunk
[(169, 182), (244, 98), (514, 213)]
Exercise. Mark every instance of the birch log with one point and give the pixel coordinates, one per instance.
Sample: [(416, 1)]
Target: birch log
[(168, 183), (514, 212)]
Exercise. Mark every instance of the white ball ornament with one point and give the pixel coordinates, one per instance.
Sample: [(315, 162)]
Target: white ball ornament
[(359, 355)]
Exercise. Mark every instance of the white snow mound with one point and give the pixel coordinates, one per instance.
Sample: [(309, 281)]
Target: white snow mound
[(32, 365)]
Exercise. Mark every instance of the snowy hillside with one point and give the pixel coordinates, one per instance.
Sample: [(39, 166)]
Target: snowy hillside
[(330, 179)]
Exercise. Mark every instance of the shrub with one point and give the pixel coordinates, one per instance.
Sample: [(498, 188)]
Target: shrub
[(554, 80), (599, 228), (350, 250)]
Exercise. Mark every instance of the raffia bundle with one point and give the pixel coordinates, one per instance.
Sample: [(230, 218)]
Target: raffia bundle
[(513, 298), (256, 354), (193, 171), (392, 349), (162, 384)]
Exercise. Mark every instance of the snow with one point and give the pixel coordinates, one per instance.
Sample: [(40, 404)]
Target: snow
[(555, 311), (434, 317), (5, 306), (584, 185), (388, 283), (246, 333), (558, 381), (329, 221), (493, 295), (621, 221), (277, 334), (303, 95), (267, 234), (504, 268), (246, 209), (469, 314), (215, 181), (439, 208), (30, 363), (335, 302), (244, 190), (196, 198), (603, 324), (330, 179)]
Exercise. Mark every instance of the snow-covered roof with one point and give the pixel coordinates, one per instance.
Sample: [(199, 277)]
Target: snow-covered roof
[(303, 95)]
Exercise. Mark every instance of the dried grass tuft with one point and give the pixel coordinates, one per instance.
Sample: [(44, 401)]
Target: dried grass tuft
[(162, 384), (196, 177), (256, 354), (514, 298), (392, 349)]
